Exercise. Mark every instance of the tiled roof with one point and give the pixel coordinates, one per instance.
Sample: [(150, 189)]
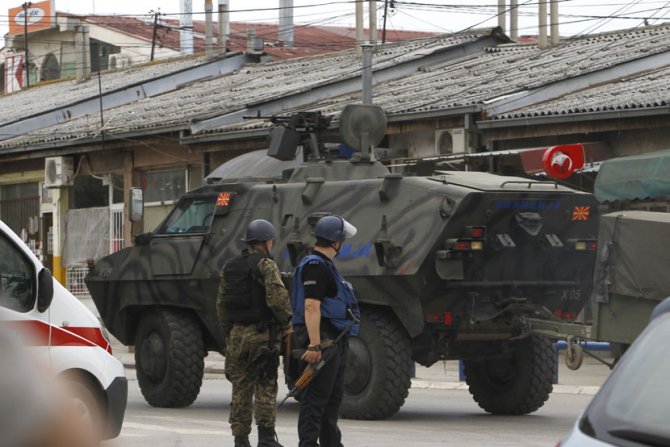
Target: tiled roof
[(308, 40)]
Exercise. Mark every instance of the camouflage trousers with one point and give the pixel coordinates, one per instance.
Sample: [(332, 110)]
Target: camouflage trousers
[(251, 393)]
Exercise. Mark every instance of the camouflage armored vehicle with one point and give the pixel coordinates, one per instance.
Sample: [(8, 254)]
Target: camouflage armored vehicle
[(458, 265)]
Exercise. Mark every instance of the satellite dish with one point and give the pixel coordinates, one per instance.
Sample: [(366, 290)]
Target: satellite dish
[(362, 126)]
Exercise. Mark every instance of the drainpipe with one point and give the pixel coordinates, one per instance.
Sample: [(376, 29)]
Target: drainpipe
[(514, 19), (373, 22), (501, 14), (286, 22), (79, 53), (224, 26), (542, 26), (209, 36), (186, 27), (86, 52), (367, 73), (554, 22), (359, 27)]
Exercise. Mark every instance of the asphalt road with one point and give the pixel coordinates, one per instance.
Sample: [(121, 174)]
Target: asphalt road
[(430, 417)]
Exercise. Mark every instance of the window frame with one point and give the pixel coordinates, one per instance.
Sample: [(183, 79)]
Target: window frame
[(31, 269)]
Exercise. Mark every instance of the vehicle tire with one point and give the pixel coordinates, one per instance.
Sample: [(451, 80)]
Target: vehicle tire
[(379, 365), (514, 385), (170, 358), (88, 408)]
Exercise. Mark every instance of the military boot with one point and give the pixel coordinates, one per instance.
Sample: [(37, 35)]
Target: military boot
[(267, 437), (242, 441)]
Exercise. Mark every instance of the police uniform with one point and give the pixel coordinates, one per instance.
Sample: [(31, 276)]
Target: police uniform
[(248, 340), (316, 277)]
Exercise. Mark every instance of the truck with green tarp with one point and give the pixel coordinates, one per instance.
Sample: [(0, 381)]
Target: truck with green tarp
[(630, 274)]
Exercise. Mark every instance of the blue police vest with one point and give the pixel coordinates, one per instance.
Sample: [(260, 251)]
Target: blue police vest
[(334, 309)]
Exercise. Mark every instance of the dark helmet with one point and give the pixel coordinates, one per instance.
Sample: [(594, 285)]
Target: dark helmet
[(334, 229), (259, 230)]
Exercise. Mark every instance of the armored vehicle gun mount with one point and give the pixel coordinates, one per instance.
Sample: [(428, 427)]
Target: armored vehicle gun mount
[(451, 266)]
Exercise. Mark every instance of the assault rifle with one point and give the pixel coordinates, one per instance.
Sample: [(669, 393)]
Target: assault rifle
[(311, 370)]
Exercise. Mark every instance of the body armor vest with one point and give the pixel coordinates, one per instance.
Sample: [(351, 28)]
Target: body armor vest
[(335, 309), (244, 295)]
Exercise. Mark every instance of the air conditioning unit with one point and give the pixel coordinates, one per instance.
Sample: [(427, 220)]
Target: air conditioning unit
[(450, 141), (57, 171)]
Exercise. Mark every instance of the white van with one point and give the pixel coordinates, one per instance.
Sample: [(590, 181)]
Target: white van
[(62, 332)]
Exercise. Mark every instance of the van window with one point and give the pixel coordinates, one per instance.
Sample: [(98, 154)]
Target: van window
[(17, 278), (191, 215)]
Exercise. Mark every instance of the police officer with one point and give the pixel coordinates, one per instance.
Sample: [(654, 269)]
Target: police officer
[(253, 305), (321, 300)]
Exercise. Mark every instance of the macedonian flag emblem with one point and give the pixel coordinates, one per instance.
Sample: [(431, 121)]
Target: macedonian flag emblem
[(581, 213), (223, 199)]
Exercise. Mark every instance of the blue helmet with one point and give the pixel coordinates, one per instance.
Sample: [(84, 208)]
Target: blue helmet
[(334, 229), (259, 230)]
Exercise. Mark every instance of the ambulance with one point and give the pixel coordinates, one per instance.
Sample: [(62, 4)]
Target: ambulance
[(62, 333)]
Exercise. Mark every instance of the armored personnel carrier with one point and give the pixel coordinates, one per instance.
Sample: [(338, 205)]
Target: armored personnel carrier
[(457, 265)]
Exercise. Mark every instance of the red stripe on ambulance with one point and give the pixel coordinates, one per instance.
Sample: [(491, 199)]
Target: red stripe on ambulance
[(36, 333)]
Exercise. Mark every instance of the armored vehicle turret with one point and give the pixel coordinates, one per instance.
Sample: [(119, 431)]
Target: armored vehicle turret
[(456, 265)]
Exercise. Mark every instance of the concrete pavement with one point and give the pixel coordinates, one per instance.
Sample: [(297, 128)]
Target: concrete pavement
[(442, 375)]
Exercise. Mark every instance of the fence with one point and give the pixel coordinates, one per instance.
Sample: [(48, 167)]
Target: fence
[(74, 280)]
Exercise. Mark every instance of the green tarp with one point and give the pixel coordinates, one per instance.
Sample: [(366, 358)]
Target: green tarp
[(634, 177)]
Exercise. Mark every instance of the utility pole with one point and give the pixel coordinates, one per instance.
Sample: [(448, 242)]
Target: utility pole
[(386, 11), (153, 37), (26, 64)]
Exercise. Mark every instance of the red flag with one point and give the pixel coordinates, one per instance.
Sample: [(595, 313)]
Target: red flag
[(581, 213), (223, 199)]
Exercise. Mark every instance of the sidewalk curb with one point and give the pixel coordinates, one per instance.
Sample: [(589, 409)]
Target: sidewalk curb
[(419, 384)]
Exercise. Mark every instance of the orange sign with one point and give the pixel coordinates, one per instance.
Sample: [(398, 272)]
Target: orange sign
[(39, 16)]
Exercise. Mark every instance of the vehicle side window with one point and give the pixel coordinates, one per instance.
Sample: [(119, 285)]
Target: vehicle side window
[(191, 215), (17, 278)]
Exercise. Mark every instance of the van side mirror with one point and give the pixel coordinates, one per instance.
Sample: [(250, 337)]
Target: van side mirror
[(45, 290), (135, 204)]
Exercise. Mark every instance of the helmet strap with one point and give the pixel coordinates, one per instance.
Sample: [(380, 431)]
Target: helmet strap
[(267, 250), (337, 250)]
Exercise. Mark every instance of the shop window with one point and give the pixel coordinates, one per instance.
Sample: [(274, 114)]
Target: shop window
[(163, 186), (117, 188), (88, 192), (50, 68), (19, 207)]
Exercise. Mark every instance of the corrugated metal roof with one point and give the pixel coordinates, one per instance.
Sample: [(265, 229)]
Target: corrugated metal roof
[(473, 80), (38, 99), (647, 90), (511, 68), (253, 84)]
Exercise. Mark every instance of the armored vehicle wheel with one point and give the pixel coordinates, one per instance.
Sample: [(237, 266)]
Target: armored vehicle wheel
[(377, 379), (169, 356), (516, 385)]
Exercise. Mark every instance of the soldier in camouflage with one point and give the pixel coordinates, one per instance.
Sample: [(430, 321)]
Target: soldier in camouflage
[(253, 306)]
